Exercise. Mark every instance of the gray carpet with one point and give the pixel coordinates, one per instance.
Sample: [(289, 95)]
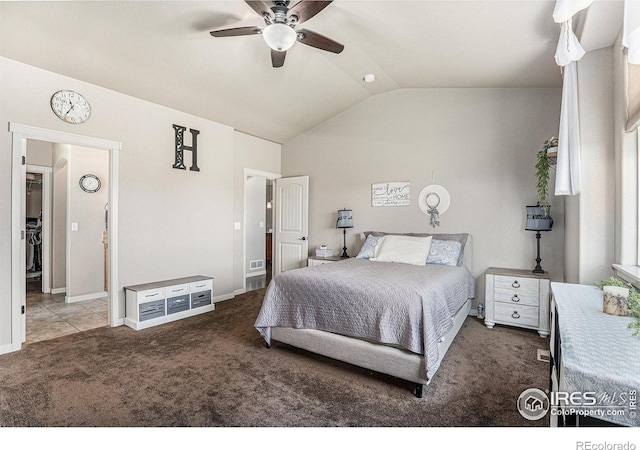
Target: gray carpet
[(213, 370)]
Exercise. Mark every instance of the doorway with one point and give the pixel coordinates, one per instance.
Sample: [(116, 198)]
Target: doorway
[(21, 135), (73, 296), (35, 241), (258, 228)]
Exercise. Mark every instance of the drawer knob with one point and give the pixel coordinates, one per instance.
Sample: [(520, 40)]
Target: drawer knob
[(515, 284), (515, 298), (515, 315)]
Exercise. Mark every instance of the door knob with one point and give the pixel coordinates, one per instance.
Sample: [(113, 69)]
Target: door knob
[(303, 238)]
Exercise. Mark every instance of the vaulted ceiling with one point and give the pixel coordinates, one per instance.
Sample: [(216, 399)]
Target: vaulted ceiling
[(162, 52)]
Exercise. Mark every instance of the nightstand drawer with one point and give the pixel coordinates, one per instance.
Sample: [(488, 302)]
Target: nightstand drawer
[(319, 260), (516, 315), (516, 297), (517, 284)]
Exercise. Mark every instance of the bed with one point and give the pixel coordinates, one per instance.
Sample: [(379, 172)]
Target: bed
[(383, 310)]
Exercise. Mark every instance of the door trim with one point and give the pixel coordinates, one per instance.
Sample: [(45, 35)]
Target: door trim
[(20, 134)]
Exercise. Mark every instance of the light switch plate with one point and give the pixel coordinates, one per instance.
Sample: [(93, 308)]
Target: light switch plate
[(236, 225), (74, 226)]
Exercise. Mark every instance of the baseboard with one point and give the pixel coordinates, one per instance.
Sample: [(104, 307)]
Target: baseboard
[(239, 291), (61, 290), (84, 297), (220, 298), (7, 349), (256, 274)]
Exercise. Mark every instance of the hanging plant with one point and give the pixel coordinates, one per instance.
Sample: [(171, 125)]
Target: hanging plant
[(542, 172)]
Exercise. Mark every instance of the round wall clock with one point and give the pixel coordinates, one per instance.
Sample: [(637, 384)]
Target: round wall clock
[(70, 106), (90, 183)]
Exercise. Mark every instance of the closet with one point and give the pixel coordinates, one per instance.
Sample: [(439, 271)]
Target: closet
[(33, 228)]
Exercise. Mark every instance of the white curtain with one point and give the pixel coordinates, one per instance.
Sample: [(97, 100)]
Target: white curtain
[(568, 52), (568, 159), (631, 30), (631, 40)]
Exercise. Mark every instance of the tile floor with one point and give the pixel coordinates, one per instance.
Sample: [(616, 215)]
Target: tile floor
[(48, 316), (260, 281)]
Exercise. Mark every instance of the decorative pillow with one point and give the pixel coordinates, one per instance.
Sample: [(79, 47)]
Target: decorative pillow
[(368, 248), (402, 249), (458, 237), (444, 252)]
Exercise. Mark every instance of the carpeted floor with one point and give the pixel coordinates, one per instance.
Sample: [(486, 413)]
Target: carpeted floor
[(213, 370)]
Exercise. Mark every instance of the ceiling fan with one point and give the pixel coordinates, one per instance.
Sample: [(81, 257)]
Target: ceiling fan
[(280, 32)]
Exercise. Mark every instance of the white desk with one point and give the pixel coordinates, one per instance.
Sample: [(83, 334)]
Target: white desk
[(594, 352)]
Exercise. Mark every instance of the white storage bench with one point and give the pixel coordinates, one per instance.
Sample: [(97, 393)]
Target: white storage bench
[(151, 304)]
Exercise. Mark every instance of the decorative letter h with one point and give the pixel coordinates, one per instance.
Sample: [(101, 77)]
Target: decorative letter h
[(180, 148)]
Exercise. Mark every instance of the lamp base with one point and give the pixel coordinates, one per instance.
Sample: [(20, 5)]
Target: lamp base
[(538, 268), (344, 249)]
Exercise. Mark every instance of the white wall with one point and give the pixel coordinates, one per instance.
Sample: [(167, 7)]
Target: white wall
[(480, 144), (59, 218), (86, 250), (590, 216), (39, 153), (172, 223), (626, 167), (256, 194)]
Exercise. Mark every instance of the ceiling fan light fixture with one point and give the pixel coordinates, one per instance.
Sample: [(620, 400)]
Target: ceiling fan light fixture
[(279, 37)]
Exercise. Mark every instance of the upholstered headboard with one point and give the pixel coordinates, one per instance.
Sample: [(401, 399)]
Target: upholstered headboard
[(467, 255)]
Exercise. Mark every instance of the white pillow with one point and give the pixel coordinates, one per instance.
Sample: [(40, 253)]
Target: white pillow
[(403, 249)]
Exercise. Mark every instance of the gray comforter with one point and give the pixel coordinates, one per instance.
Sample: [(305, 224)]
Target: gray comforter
[(391, 303)]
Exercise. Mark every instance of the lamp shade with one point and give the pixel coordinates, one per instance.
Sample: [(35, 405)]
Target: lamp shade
[(345, 220), (279, 37), (537, 220)]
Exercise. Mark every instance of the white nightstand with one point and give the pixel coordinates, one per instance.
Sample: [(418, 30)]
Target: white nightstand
[(318, 260), (517, 297)]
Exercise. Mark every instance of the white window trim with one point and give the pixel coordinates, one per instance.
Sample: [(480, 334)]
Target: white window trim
[(630, 274)]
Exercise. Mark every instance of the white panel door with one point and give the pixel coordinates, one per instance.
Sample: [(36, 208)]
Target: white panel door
[(291, 223)]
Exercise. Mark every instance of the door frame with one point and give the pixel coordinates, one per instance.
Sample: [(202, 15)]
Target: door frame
[(251, 173), (20, 134), (46, 223)]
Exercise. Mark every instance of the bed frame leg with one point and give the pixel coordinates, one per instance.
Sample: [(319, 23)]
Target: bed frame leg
[(267, 345), (418, 390)]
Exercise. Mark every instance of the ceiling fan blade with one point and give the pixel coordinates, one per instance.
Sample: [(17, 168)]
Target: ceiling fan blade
[(259, 6), (242, 31), (305, 10), (316, 40), (277, 58)]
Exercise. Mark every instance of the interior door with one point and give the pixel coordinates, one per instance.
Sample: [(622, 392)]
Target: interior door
[(291, 223)]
